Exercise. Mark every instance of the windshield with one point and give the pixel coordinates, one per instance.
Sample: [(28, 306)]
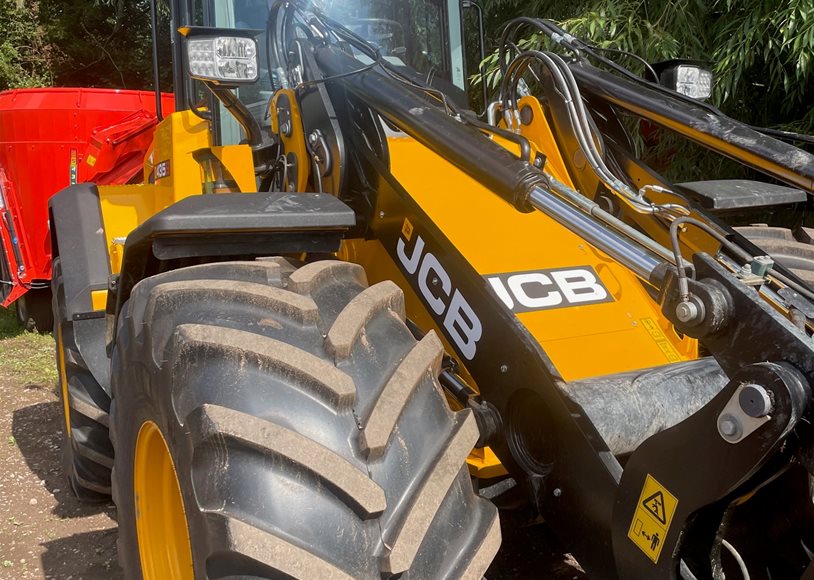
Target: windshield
[(423, 37), (245, 14)]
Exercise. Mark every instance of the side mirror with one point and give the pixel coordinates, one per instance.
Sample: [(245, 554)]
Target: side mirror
[(688, 77), (224, 57)]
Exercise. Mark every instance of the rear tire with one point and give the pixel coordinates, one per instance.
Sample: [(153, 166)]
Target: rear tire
[(795, 252), (87, 454), (34, 311), (307, 429)]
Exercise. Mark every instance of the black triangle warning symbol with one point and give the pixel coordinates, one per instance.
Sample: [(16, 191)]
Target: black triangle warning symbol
[(655, 505)]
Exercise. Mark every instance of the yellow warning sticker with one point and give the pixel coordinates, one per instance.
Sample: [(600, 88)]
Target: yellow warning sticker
[(670, 353), (407, 229), (652, 518)]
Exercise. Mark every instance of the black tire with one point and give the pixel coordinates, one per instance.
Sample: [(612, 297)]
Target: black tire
[(34, 311), (307, 428), (87, 454), (795, 252)]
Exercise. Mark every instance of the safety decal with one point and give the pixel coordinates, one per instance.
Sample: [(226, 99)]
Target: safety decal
[(407, 230), (670, 353), (652, 518), (162, 170), (552, 288), (74, 164)]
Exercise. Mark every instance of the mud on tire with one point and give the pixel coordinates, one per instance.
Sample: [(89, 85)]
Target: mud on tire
[(307, 428)]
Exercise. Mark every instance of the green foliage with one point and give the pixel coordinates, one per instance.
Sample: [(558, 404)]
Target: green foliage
[(25, 55), (105, 43), (764, 56), (98, 43), (762, 52), (28, 357)]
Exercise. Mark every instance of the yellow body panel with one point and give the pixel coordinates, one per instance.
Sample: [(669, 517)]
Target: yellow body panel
[(98, 299), (582, 341), (177, 138)]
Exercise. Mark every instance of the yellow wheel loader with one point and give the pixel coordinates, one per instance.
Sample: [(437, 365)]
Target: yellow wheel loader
[(344, 316)]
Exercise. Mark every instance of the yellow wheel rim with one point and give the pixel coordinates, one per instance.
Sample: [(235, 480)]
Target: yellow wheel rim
[(63, 379), (161, 523)]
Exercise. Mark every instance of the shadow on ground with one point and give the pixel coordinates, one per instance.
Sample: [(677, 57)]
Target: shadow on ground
[(84, 556), (531, 551), (38, 434)]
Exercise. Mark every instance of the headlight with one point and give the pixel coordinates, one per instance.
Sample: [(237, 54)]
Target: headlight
[(687, 77), (693, 81), (227, 60)]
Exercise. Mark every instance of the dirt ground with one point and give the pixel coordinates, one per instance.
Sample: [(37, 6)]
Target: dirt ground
[(45, 533)]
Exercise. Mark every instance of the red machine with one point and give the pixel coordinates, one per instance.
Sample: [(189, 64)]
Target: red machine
[(50, 138)]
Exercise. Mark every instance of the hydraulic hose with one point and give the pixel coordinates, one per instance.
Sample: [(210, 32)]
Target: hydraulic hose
[(513, 179), (578, 115)]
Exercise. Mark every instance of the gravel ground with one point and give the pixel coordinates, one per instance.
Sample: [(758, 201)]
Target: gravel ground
[(45, 533)]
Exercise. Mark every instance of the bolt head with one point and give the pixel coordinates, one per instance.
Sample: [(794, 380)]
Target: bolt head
[(557, 492), (504, 369), (729, 427)]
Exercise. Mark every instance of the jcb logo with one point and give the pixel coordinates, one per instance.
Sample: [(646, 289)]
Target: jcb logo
[(460, 321), (544, 289)]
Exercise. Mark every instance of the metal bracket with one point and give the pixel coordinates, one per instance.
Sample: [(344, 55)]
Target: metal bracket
[(735, 423)]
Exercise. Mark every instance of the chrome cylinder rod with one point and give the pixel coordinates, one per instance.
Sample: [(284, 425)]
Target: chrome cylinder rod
[(627, 252)]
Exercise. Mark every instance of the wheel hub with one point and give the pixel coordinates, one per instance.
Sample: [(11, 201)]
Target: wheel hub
[(161, 524)]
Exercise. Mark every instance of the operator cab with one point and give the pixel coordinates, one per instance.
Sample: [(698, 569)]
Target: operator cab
[(421, 39)]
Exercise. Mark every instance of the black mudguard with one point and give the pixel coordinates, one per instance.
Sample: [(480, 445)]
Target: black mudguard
[(78, 238), (220, 227)]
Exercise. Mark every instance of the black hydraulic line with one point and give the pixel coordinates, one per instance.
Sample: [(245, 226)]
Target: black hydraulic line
[(525, 146), (785, 135)]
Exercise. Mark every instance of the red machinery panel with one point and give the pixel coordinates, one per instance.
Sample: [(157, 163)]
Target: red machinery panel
[(50, 138)]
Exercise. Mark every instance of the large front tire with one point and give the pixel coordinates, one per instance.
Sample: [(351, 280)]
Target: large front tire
[(303, 429)]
